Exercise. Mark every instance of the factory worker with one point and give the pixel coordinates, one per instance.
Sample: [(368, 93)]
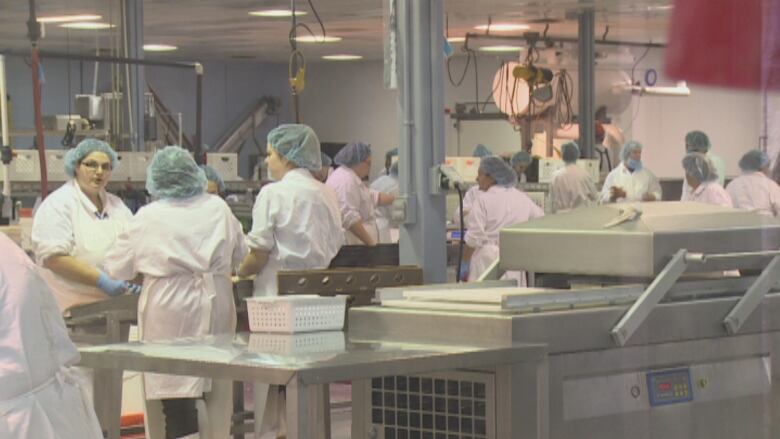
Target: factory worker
[(480, 151), (388, 229), (697, 141), (356, 200), (754, 190), (215, 183), (324, 172), (630, 180), (186, 244), (520, 162), (296, 221), (702, 177), (41, 394), (75, 226), (499, 205), (571, 187)]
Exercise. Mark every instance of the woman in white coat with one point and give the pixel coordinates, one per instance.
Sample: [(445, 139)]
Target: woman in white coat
[(389, 184), (41, 395), (754, 190), (186, 245), (499, 205), (698, 141), (630, 181), (571, 187), (702, 177), (480, 151), (75, 226), (357, 201)]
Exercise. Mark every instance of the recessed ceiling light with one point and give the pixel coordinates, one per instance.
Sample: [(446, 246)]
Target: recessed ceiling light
[(317, 39), (68, 18), (159, 47), (660, 8), (502, 48), (456, 39), (276, 13), (503, 27), (342, 57), (87, 25)]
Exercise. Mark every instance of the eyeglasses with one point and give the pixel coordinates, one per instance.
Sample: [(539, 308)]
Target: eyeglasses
[(94, 166)]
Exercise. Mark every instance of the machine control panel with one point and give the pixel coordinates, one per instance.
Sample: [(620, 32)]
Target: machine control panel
[(669, 386)]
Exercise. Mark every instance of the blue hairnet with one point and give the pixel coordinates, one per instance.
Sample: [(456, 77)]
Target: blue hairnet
[(754, 160), (298, 144), (699, 166), (392, 153), (497, 168), (628, 148), (394, 169), (173, 173), (522, 157), (353, 154), (570, 152), (697, 141), (327, 162), (213, 175), (86, 147), (481, 151)]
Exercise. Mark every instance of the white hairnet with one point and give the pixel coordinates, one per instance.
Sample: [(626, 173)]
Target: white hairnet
[(628, 148), (327, 162), (353, 154), (699, 166), (521, 157), (481, 151), (754, 160), (86, 147), (497, 168), (297, 143), (697, 141), (173, 174), (570, 152)]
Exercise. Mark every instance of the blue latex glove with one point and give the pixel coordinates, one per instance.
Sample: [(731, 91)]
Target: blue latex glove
[(112, 287), (464, 271), (135, 289)]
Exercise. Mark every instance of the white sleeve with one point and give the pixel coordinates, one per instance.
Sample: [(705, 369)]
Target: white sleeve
[(120, 260), (476, 221), (654, 187), (52, 231), (774, 198), (608, 183), (241, 249), (349, 201), (261, 237)]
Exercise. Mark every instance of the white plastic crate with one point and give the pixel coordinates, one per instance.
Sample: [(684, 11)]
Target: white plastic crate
[(25, 166), (296, 344), (55, 165), (139, 161), (299, 313), (226, 165)]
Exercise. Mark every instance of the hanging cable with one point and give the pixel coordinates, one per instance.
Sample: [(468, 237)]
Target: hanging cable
[(633, 68)]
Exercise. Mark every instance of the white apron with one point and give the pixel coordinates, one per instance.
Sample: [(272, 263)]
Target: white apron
[(93, 238), (484, 257)]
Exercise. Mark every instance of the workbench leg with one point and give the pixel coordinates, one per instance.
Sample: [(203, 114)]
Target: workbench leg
[(261, 400), (308, 411), (107, 389), (522, 396)]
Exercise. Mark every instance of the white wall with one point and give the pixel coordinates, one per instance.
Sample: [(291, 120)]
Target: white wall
[(347, 101)]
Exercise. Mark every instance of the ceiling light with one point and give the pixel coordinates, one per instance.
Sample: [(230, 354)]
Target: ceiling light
[(456, 39), (502, 27), (342, 57), (660, 8), (68, 18), (87, 25), (276, 13), (159, 47), (502, 48), (317, 39)]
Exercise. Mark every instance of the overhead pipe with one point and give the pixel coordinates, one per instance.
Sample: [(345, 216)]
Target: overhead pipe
[(34, 33), (553, 39), (6, 140)]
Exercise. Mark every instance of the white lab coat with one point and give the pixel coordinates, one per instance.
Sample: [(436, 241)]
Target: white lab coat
[(468, 201), (297, 220), (720, 167), (41, 395), (68, 223), (494, 209), (756, 192), (711, 193), (572, 187), (357, 203), (636, 184), (388, 229)]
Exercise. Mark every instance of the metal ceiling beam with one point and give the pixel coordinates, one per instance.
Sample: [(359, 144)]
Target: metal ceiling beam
[(554, 39)]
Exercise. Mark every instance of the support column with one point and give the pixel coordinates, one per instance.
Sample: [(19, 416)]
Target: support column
[(420, 35), (134, 22), (587, 81)]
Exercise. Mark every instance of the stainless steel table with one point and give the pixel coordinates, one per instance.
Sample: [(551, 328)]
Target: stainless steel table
[(305, 362)]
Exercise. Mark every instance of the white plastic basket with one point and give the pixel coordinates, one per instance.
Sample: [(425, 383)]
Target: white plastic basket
[(55, 165), (25, 166), (292, 314), (297, 344)]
